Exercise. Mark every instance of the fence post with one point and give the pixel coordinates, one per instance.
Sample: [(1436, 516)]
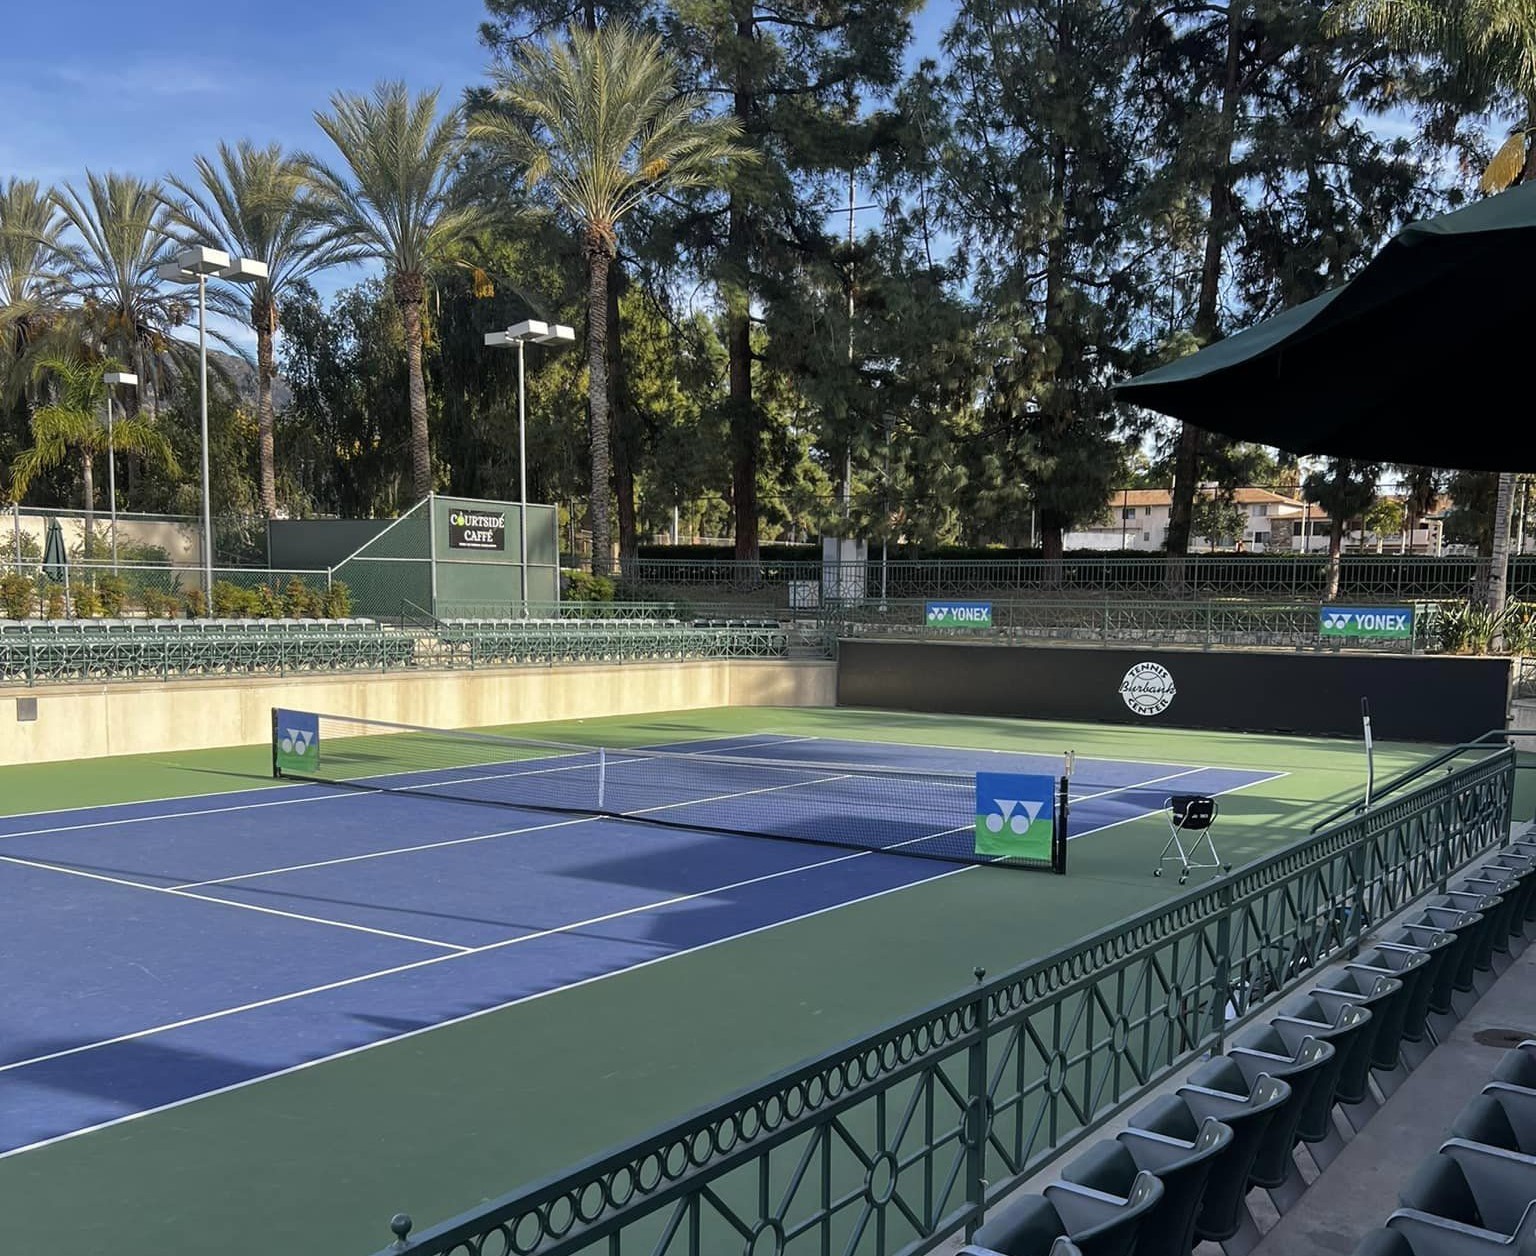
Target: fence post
[(1223, 973), (977, 1118), (1359, 855)]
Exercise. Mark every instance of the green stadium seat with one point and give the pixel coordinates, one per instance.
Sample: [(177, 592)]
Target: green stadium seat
[(1223, 1216), (1182, 1167), (1284, 1035), (1395, 955), (1098, 1223), (1469, 1198), (1503, 1116)]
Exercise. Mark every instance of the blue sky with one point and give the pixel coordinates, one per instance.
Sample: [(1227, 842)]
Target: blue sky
[(145, 91)]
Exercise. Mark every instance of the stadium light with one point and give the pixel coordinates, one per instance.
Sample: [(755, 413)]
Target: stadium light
[(529, 331), (197, 265), (128, 380)]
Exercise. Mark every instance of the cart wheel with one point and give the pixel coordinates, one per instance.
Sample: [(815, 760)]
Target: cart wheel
[(1226, 867), (1183, 879), (1157, 872)]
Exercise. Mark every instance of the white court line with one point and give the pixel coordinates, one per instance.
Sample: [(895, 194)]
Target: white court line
[(500, 1007), (485, 837), (226, 902), (553, 931), (339, 790), (1220, 793)]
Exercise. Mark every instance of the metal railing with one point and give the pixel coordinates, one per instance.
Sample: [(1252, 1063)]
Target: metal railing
[(893, 1143), (1363, 577), (1115, 621)]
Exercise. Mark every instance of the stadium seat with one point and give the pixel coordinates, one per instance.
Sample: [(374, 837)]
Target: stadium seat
[(1284, 1035), (1518, 1066), (1274, 1167), (1061, 1247), (1223, 1216), (1469, 1198), (1505, 894), (1098, 1223), (1182, 1167), (1483, 972), (1383, 995), (1396, 955), (1503, 1116)]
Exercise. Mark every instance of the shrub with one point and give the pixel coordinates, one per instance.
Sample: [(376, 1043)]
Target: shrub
[(87, 601), (157, 603), (55, 601), (300, 601), (337, 601), (195, 603), (230, 601), (269, 603), (17, 597), (583, 587), (113, 592)]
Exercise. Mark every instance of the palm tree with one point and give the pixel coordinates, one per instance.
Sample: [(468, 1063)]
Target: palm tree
[(1489, 47), (254, 202), (395, 203), (70, 425), (29, 242), (598, 121), (123, 229)]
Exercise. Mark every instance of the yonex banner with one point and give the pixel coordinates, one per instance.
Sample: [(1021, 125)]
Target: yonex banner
[(477, 529), (959, 615), (296, 741), (1368, 623), (1015, 815)]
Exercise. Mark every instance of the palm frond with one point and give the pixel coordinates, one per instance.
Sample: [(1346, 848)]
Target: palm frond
[(1506, 166)]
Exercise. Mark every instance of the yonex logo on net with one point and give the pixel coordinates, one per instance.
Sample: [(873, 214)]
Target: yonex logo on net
[(1017, 821), (296, 740)]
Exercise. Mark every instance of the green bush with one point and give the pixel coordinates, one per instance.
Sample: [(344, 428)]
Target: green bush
[(195, 603), (268, 602), (300, 601), (17, 596), (337, 602), (583, 587), (157, 603), (230, 601), (87, 600), (113, 593), (54, 603)]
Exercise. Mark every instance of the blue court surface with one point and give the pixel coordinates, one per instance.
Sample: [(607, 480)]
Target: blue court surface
[(160, 951)]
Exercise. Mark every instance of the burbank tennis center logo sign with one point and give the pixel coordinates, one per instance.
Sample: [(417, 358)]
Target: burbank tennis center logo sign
[(470, 529), (1148, 688), (1369, 623)]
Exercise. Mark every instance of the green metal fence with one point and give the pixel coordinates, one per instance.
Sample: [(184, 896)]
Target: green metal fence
[(1117, 621), (892, 1144), (1378, 578)]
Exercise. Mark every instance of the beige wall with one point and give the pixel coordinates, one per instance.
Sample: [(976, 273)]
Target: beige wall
[(81, 722), (178, 540)]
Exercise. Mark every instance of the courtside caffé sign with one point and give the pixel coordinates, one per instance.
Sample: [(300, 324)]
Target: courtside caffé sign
[(477, 529)]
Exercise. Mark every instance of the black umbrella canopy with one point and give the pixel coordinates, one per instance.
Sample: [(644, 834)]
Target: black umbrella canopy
[(54, 556), (1424, 357)]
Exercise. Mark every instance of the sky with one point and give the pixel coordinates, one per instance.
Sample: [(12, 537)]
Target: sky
[(144, 89)]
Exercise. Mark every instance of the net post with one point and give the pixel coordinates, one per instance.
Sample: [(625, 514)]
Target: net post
[(1059, 830), (277, 772), (602, 776)]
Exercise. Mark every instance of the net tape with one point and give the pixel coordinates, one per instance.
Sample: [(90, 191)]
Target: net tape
[(858, 807)]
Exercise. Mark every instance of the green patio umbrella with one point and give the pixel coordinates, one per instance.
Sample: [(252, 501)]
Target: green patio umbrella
[(54, 555), (1424, 357)]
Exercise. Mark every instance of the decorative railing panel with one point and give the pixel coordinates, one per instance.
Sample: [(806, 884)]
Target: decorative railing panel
[(891, 1144)]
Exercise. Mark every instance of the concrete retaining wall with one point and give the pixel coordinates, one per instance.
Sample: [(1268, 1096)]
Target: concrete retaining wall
[(82, 722)]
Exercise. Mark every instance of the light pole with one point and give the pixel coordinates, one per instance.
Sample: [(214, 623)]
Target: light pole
[(520, 334), (129, 380), (197, 264)]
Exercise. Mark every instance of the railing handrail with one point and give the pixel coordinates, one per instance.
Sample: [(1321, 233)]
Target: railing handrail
[(1079, 961), (1395, 783)]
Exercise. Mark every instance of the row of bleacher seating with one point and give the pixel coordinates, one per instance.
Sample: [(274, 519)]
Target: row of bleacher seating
[(99, 627), (504, 641), (1309, 1076)]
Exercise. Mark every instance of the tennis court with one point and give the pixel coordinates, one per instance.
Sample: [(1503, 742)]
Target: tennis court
[(239, 935)]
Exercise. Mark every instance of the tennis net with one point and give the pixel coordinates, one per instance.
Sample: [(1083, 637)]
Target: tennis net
[(928, 815)]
